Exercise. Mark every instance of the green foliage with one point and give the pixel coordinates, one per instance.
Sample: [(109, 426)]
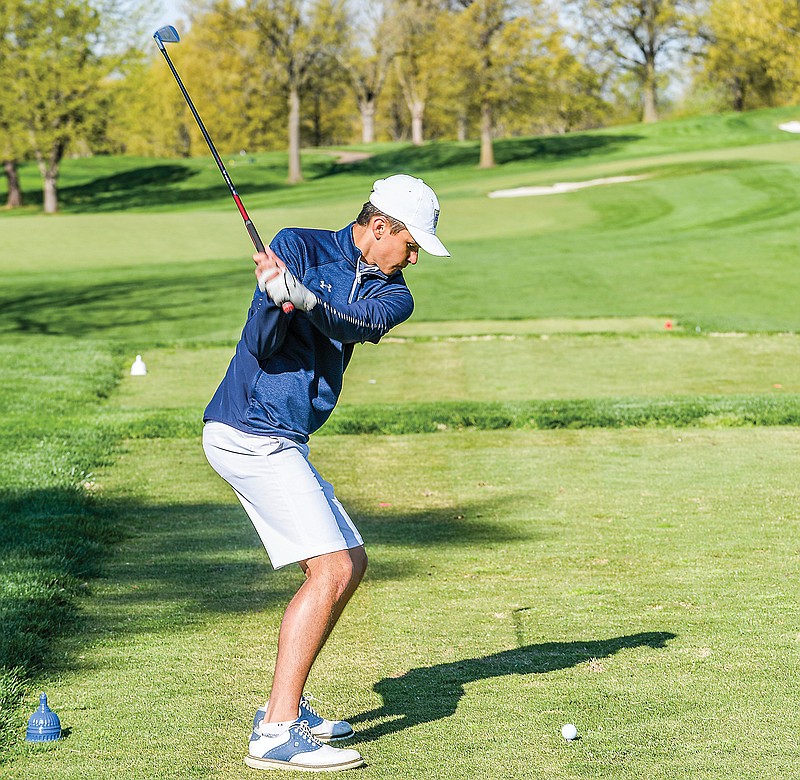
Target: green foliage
[(56, 56), (752, 54)]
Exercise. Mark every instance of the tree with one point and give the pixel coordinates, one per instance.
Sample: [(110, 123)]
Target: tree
[(641, 36), (553, 92), (148, 115), (57, 55), (9, 129), (496, 41), (295, 40), (417, 25), (367, 60), (753, 51)]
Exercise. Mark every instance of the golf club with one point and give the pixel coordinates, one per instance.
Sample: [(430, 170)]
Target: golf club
[(169, 34)]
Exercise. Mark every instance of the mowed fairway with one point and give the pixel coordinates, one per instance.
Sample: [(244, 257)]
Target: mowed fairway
[(528, 568)]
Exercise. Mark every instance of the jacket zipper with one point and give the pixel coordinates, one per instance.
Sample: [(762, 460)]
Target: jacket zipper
[(356, 283)]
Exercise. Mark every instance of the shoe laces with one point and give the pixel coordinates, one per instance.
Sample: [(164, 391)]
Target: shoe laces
[(306, 700), (302, 729)]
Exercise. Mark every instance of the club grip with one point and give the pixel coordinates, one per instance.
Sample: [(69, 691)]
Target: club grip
[(254, 237), (287, 307)]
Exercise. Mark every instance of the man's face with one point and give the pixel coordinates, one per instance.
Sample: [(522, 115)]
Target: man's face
[(394, 251)]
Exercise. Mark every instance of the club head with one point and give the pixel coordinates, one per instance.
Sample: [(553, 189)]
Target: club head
[(167, 34)]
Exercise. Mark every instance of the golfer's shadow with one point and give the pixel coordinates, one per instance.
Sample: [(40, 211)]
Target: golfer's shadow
[(430, 693)]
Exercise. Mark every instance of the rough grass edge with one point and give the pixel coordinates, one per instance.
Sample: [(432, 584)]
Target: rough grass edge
[(678, 412), (56, 531)]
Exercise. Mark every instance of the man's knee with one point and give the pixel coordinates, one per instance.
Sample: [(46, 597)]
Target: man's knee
[(343, 569), (353, 567), (358, 555)]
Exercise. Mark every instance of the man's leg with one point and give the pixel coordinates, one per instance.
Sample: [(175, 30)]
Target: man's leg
[(331, 580)]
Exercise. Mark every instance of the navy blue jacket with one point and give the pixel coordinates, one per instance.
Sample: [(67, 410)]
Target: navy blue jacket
[(286, 375)]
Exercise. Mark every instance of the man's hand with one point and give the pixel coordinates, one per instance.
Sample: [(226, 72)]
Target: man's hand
[(278, 282)]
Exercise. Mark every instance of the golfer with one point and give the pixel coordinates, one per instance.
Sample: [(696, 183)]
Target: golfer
[(285, 377)]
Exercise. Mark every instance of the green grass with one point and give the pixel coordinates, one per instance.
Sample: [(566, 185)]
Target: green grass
[(519, 581), (54, 534), (678, 245), (507, 368), (573, 512), (108, 184)]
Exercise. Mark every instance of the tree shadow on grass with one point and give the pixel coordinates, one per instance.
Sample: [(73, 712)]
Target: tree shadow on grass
[(149, 186), (169, 184), (430, 693), (182, 563), (169, 568), (437, 155), (53, 539), (124, 303)]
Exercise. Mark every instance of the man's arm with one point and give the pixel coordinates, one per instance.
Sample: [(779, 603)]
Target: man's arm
[(365, 320), (357, 322)]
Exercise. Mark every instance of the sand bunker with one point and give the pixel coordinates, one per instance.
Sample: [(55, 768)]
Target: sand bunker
[(790, 127), (561, 186)]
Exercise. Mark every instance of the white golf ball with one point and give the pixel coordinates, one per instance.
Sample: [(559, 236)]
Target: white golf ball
[(569, 732)]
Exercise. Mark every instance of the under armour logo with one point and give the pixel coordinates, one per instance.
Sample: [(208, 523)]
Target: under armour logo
[(325, 286)]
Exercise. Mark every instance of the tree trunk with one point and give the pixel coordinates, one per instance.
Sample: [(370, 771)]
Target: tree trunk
[(737, 88), (316, 120), (50, 191), (461, 127), (398, 128), (487, 146), (49, 170), (14, 190), (184, 141), (650, 113), (295, 170), (417, 114), (367, 107)]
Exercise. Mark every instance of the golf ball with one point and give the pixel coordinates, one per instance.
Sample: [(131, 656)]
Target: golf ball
[(569, 732)]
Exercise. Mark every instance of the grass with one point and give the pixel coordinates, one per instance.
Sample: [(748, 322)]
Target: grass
[(521, 579), (678, 245), (508, 368), (104, 184), (574, 513), (54, 534)]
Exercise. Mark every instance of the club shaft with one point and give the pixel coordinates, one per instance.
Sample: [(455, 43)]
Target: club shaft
[(248, 223), (258, 243)]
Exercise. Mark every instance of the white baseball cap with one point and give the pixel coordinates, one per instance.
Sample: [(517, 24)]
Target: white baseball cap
[(415, 204)]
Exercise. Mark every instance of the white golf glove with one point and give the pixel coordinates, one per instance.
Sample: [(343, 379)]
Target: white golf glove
[(283, 287)]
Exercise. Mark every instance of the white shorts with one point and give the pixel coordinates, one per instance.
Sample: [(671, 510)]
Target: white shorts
[(291, 506)]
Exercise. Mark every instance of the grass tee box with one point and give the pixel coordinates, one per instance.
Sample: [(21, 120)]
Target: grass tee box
[(507, 369), (519, 581)]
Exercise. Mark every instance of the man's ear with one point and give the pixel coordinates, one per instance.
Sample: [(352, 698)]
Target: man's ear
[(379, 227)]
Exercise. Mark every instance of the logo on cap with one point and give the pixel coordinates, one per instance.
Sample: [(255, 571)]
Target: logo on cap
[(435, 219)]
